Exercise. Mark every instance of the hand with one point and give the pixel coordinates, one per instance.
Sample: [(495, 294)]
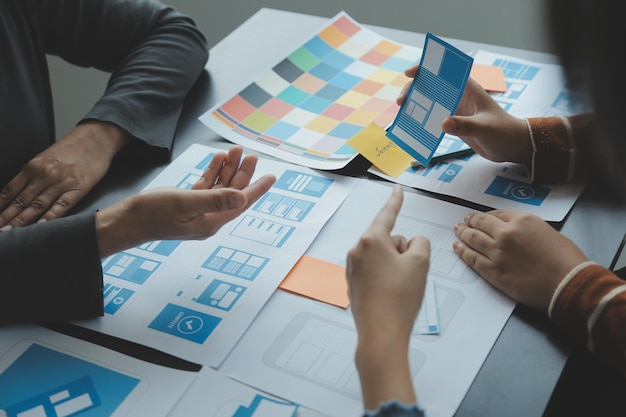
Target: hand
[(386, 280), (484, 125), (222, 194), (518, 253), (56, 179)]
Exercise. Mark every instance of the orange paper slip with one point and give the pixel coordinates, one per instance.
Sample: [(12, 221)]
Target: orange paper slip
[(319, 280), (490, 77)]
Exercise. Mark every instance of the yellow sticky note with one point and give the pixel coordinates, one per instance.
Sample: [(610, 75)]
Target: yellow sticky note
[(318, 279), (490, 77), (373, 143)]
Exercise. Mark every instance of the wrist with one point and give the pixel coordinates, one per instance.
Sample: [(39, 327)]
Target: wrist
[(380, 351), (115, 228), (566, 279), (524, 140), (384, 371), (109, 137), (553, 149)]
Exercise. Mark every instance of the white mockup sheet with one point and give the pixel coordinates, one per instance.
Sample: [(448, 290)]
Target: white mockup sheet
[(44, 373), (303, 350), (194, 299)]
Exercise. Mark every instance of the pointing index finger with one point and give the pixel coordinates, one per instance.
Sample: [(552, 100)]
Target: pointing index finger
[(386, 217)]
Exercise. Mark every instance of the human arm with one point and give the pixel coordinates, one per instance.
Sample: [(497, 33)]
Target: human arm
[(386, 279), (483, 124), (546, 145), (154, 54), (222, 193), (534, 264), (519, 253), (56, 179), (52, 270), (590, 306)]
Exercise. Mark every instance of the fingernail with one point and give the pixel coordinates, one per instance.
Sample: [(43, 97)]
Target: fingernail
[(41, 220), (6, 228), (457, 226)]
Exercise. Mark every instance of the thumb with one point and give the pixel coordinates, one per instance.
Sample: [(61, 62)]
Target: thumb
[(450, 126), (462, 126), (419, 246), (220, 199)]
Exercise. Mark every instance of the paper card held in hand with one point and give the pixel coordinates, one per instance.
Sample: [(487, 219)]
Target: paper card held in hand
[(434, 94)]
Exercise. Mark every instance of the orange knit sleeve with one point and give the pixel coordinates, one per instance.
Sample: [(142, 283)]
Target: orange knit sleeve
[(554, 151), (590, 305), (554, 142)]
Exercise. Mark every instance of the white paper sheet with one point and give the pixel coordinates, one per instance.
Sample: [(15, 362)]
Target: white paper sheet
[(303, 350), (216, 395), (194, 299), (42, 368), (494, 185)]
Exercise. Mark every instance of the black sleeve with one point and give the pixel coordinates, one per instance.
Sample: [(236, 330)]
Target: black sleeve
[(154, 54), (51, 271)]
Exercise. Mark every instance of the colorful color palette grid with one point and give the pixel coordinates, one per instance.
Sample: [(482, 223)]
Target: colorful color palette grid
[(309, 104)]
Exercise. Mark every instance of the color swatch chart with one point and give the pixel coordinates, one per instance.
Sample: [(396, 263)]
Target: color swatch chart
[(308, 105)]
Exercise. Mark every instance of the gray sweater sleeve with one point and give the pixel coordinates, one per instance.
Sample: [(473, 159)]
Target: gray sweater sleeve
[(153, 52), (51, 271)]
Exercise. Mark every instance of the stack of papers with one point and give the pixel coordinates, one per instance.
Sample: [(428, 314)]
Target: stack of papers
[(245, 304)]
